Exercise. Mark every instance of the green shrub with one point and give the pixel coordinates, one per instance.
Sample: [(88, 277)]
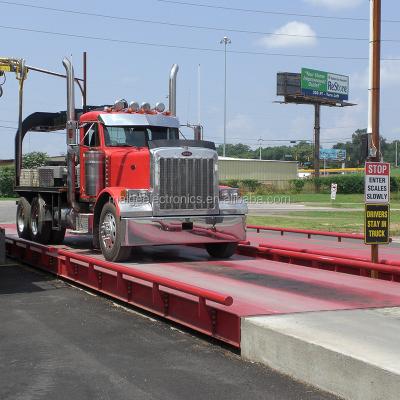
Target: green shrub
[(34, 159), (353, 183), (250, 185), (297, 185), (7, 181), (394, 183)]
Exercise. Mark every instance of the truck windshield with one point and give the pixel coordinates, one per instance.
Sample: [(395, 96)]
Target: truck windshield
[(137, 136)]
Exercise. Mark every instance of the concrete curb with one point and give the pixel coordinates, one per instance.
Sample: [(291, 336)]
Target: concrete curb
[(332, 359)]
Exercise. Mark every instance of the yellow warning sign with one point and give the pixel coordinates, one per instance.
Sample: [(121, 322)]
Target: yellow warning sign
[(376, 227)]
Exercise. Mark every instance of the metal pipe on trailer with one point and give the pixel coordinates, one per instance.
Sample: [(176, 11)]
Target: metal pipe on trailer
[(308, 232)]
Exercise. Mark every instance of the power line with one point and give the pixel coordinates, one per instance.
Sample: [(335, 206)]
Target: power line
[(7, 127), (166, 45), (292, 14), (188, 26)]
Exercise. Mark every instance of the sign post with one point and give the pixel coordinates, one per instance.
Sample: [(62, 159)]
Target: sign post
[(333, 191)]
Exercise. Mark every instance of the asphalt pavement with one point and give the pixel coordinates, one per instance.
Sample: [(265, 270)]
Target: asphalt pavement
[(60, 342)]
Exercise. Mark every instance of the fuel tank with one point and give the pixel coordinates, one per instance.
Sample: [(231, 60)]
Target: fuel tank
[(94, 172)]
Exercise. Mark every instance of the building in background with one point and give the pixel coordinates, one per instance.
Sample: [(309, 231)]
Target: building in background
[(270, 172)]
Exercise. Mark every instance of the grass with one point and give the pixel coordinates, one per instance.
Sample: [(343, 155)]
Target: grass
[(341, 221), (324, 200)]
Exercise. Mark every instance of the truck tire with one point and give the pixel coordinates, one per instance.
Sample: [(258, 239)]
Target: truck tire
[(40, 229), (23, 217), (221, 250), (110, 235), (57, 237)]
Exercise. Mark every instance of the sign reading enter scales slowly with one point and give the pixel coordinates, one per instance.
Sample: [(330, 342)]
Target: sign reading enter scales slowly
[(377, 197), (377, 182), (323, 84)]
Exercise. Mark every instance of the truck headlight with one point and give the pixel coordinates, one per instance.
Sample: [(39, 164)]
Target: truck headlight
[(229, 194), (137, 197)]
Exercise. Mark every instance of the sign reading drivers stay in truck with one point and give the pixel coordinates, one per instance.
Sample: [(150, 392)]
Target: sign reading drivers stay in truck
[(323, 84), (377, 197)]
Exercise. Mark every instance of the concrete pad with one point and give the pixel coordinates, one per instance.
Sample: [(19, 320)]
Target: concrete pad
[(354, 354)]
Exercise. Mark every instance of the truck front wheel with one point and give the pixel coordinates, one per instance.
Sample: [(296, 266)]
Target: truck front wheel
[(221, 250), (110, 235)]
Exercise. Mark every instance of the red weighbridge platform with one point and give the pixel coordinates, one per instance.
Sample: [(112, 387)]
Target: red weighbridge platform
[(185, 285)]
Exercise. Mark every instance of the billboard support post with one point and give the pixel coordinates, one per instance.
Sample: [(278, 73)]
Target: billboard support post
[(317, 127)]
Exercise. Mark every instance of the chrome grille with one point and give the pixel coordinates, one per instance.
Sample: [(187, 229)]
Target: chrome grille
[(186, 183)]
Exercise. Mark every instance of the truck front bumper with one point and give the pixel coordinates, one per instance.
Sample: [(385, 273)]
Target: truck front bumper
[(183, 230)]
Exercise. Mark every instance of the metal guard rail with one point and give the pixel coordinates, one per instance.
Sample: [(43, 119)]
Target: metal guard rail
[(319, 261), (328, 254), (308, 232)]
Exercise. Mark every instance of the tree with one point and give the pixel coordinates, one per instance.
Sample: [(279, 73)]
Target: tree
[(34, 159), (237, 151)]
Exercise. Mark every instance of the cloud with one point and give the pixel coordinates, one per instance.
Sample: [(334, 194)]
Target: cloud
[(389, 75), (293, 34), (334, 4), (239, 124)]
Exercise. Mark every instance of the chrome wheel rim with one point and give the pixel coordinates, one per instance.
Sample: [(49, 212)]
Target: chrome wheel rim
[(108, 231), (21, 219), (34, 219)]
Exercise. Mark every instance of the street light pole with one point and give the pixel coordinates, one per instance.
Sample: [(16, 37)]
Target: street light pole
[(225, 41)]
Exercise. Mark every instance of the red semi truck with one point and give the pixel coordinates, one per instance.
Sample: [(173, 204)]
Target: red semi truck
[(129, 179)]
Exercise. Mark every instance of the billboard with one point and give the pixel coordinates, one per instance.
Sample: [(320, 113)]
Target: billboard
[(332, 154), (323, 84)]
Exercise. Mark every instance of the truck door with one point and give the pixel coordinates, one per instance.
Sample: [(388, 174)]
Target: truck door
[(90, 140)]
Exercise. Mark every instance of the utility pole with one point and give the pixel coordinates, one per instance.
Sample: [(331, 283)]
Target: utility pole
[(225, 41), (317, 127), (395, 146), (374, 93)]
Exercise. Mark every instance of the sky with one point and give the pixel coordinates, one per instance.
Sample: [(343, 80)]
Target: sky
[(135, 62)]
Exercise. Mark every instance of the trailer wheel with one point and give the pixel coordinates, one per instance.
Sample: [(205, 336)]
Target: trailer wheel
[(57, 237), (23, 216), (40, 229), (110, 235), (221, 250)]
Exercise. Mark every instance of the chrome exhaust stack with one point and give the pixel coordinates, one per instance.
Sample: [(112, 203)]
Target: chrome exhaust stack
[(71, 126), (172, 89)]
